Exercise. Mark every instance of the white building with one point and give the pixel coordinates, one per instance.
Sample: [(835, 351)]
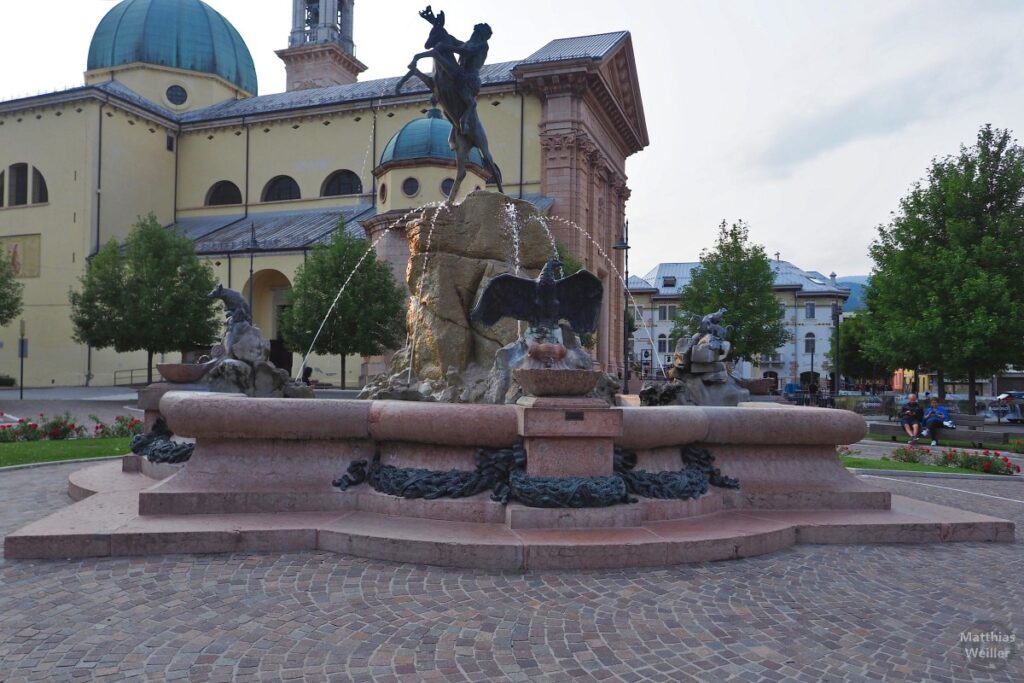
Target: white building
[(806, 299)]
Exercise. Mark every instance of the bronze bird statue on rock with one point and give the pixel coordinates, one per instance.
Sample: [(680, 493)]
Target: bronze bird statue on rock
[(543, 302)]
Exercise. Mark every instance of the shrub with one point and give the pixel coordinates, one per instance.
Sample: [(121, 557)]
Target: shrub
[(911, 454), (123, 426), (7, 381)]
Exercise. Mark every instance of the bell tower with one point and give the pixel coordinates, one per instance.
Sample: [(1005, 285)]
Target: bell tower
[(320, 49)]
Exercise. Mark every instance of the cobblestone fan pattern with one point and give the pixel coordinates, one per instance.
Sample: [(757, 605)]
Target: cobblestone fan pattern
[(810, 613)]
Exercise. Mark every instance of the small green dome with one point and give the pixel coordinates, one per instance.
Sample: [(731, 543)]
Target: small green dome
[(183, 34), (425, 138)]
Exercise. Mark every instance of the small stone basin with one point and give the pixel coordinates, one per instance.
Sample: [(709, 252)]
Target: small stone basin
[(183, 373), (555, 382)]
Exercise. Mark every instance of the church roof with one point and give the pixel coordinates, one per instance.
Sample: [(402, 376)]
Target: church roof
[(580, 47), (183, 34), (381, 88)]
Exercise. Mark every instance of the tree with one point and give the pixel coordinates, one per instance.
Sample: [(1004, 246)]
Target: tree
[(737, 275), (368, 317), (946, 289), (10, 294), (148, 296), (857, 358)]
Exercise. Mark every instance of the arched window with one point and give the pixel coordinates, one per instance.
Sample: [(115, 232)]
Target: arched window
[(662, 343), (40, 195), (809, 343), (281, 188), (223, 193), (18, 179), (341, 183)]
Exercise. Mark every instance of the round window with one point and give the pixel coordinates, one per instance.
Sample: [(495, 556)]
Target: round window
[(383, 192), (446, 186), (411, 187), (177, 95)]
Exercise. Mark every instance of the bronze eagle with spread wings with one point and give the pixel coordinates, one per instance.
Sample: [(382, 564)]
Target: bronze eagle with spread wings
[(544, 301)]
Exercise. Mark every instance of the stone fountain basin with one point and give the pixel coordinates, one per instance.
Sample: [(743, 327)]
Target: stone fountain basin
[(184, 373), (260, 481), (556, 382)]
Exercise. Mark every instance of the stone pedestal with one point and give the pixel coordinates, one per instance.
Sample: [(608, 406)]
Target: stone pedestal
[(568, 437)]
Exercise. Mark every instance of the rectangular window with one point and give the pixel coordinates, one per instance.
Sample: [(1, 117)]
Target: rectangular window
[(170, 143), (3, 197), (638, 313), (809, 311), (19, 185), (666, 312), (671, 312), (668, 281), (662, 344)]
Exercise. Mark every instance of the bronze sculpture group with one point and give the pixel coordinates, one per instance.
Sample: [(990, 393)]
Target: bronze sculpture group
[(455, 85)]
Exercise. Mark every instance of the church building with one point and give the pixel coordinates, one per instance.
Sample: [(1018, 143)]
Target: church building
[(170, 120)]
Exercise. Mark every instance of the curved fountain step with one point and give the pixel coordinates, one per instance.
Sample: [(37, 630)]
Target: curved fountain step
[(107, 524), (106, 477)]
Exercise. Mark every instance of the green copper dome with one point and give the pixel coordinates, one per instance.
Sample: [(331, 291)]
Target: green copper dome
[(183, 34), (425, 138)]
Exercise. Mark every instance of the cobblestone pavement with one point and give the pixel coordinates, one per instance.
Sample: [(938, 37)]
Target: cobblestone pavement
[(810, 613)]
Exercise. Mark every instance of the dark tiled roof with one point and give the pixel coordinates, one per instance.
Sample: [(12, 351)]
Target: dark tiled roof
[(336, 94), (581, 47), (123, 92), (277, 231)]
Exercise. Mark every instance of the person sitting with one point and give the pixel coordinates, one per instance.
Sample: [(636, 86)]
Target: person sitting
[(934, 420), (911, 415)]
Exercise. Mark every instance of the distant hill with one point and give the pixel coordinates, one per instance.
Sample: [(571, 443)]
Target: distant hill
[(856, 283)]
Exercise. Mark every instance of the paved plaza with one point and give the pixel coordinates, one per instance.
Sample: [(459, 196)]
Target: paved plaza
[(808, 613)]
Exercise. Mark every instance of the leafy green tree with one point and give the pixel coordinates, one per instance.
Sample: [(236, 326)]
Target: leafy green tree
[(737, 275), (10, 294), (857, 359), (946, 289), (149, 296), (369, 316)]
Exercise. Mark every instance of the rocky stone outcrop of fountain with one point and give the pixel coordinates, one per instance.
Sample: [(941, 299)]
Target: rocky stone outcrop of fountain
[(699, 375), (455, 251), (240, 362)]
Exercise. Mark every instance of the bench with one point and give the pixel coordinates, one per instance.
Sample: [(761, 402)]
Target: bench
[(967, 429)]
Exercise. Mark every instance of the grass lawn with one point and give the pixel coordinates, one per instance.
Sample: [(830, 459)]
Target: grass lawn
[(27, 452), (944, 443), (872, 464)]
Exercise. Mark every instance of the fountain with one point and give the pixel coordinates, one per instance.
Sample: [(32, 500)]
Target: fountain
[(512, 457)]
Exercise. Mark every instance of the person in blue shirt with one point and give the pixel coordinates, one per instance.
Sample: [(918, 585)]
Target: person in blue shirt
[(934, 418)]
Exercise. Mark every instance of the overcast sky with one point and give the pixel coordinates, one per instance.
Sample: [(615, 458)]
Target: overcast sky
[(808, 119)]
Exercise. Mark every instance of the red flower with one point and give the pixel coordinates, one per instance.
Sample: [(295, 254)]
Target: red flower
[(1018, 469), (33, 425), (984, 452), (987, 466)]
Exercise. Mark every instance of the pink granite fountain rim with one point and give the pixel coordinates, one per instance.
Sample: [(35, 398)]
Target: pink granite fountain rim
[(226, 416)]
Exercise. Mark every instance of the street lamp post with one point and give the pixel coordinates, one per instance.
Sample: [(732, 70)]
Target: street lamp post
[(836, 310), (623, 246)]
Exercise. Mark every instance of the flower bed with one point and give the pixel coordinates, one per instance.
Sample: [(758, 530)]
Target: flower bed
[(986, 462), (61, 427)]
